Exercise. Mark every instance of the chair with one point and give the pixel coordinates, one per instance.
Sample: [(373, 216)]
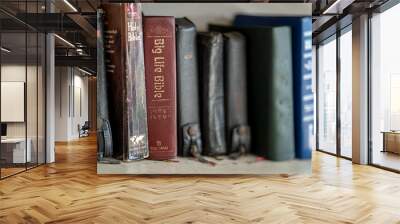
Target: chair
[(84, 130)]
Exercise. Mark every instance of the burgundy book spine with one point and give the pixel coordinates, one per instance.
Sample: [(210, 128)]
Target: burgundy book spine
[(160, 63)]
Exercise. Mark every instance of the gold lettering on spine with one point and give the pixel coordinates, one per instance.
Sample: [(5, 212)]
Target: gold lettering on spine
[(159, 66)]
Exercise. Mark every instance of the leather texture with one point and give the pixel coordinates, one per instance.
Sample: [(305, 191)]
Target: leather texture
[(210, 46), (270, 89), (235, 87), (191, 138), (104, 137), (126, 78), (302, 69), (114, 76), (104, 140), (240, 141), (160, 61), (187, 85)]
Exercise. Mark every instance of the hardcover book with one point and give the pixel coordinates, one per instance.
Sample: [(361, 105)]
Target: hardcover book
[(270, 89), (189, 133), (160, 60), (235, 86), (271, 92), (302, 71), (125, 75), (211, 49), (104, 136)]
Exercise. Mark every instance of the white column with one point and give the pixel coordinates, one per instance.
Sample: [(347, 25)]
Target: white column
[(360, 90), (50, 99), (50, 93)]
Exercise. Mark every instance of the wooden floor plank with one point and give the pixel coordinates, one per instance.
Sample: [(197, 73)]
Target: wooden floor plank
[(70, 191)]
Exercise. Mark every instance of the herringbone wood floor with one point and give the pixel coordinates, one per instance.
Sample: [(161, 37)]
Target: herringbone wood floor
[(70, 191)]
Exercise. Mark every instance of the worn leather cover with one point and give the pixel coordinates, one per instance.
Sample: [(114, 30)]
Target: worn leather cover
[(160, 60), (270, 89), (210, 47), (125, 75), (188, 91), (271, 92), (104, 137), (302, 74), (235, 86)]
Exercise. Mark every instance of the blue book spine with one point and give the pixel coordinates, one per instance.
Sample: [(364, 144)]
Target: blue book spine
[(302, 74), (305, 98)]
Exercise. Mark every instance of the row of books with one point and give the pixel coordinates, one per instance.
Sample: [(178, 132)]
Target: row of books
[(165, 89)]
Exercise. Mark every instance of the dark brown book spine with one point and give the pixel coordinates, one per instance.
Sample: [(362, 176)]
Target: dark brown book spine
[(160, 62), (114, 67)]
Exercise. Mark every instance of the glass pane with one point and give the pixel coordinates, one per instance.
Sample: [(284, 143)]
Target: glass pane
[(31, 98), (327, 97), (346, 94), (32, 88), (386, 89), (13, 89), (41, 99)]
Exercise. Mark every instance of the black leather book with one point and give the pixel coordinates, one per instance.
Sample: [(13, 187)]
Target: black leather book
[(189, 135), (235, 90), (270, 89), (104, 137), (210, 47)]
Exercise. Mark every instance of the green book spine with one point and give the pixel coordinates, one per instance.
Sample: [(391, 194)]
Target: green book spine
[(271, 92), (269, 89)]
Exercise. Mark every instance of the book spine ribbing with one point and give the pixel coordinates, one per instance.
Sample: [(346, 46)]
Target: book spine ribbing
[(211, 46), (189, 133)]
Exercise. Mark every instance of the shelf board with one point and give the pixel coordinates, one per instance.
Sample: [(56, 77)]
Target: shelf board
[(245, 165)]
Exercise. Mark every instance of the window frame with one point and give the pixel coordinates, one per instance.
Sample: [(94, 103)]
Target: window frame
[(334, 37)]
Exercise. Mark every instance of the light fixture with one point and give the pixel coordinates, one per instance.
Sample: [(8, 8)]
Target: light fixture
[(70, 5), (65, 41), (337, 7), (84, 71), (5, 50)]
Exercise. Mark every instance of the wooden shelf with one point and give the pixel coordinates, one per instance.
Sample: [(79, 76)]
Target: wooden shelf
[(244, 165)]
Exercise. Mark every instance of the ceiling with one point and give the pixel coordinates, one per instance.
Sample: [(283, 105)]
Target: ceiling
[(75, 21)]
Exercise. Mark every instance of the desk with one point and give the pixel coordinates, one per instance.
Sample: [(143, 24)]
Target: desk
[(391, 141), (13, 150)]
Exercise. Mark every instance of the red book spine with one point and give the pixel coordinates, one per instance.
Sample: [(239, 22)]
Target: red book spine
[(160, 69)]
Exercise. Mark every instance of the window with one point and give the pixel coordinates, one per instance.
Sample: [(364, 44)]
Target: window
[(333, 137), (385, 89), (22, 77), (346, 93), (327, 96)]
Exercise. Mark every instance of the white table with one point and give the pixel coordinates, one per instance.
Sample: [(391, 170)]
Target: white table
[(19, 153)]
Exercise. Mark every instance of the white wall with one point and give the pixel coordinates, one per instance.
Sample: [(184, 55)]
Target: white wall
[(62, 82), (71, 94), (16, 72), (33, 126), (222, 13)]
